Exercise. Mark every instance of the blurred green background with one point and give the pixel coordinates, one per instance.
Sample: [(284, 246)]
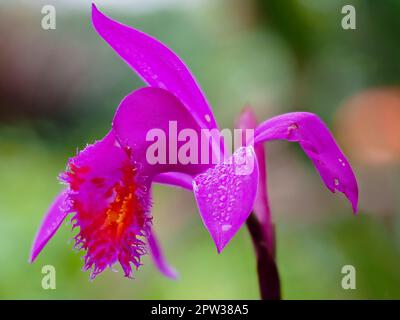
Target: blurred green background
[(60, 88)]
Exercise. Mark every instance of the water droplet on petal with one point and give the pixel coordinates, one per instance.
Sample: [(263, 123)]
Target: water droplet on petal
[(342, 162)]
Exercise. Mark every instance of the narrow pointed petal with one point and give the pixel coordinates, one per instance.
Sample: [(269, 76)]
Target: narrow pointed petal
[(50, 224), (225, 195), (159, 259), (175, 179), (157, 113), (155, 63), (247, 120), (318, 143)]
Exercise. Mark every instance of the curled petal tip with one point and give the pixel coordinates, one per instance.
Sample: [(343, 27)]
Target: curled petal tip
[(352, 195), (319, 145), (354, 202)]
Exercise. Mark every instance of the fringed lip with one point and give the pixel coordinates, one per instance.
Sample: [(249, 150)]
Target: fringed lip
[(111, 206)]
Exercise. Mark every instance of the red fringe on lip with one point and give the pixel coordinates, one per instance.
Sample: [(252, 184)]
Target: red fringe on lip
[(112, 228)]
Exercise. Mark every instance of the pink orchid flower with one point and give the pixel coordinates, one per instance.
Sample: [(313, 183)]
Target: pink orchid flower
[(109, 182)]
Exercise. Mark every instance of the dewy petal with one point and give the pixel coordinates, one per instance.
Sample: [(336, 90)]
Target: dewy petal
[(111, 202), (149, 111), (50, 224), (156, 64), (319, 145), (225, 195), (159, 259)]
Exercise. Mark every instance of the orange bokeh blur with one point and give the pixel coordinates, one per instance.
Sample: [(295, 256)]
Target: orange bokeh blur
[(368, 126)]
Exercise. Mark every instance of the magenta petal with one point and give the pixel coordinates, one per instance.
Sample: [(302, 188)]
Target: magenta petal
[(176, 179), (247, 120), (153, 110), (225, 195), (155, 63), (319, 145), (159, 259), (50, 224)]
